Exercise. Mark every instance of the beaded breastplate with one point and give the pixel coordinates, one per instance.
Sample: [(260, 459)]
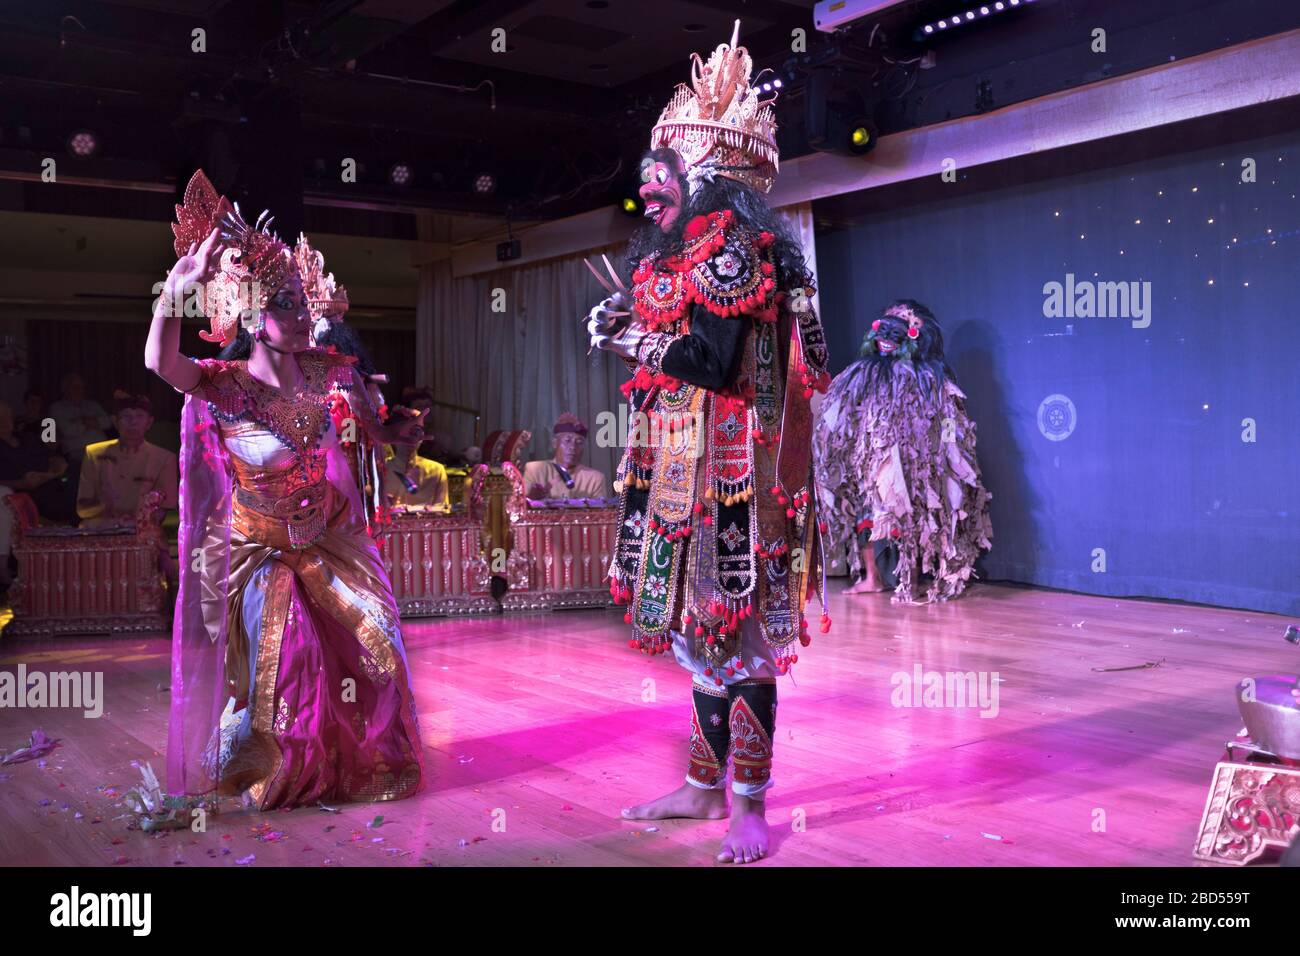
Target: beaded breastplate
[(724, 269), (300, 420), (287, 506)]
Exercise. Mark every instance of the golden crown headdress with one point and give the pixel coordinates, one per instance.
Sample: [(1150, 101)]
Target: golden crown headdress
[(718, 124), (253, 265), (325, 297)]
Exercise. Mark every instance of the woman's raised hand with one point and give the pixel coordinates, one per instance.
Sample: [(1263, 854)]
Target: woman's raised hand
[(162, 347), (192, 269)]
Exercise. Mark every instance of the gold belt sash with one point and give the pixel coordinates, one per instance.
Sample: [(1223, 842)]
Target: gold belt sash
[(297, 519)]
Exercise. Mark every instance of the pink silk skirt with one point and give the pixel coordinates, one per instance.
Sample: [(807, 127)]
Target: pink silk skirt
[(321, 705)]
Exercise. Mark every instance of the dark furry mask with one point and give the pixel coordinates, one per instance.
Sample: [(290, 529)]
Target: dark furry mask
[(906, 330), (894, 342)]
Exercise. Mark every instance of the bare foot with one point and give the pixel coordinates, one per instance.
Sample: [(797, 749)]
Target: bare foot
[(866, 586), (746, 840), (694, 803)]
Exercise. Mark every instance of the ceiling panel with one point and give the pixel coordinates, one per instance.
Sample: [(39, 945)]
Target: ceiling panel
[(569, 40)]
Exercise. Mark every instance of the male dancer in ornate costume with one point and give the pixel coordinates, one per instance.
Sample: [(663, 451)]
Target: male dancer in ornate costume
[(718, 540), (896, 467)]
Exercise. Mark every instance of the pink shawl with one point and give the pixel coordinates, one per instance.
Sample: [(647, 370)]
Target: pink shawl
[(200, 627)]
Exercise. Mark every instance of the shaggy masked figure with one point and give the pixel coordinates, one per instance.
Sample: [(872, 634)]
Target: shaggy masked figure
[(896, 464), (718, 543)]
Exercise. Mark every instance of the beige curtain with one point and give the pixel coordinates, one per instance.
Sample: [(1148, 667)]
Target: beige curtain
[(521, 366), (800, 218)]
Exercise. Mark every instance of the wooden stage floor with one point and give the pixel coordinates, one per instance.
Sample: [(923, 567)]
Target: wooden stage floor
[(538, 728)]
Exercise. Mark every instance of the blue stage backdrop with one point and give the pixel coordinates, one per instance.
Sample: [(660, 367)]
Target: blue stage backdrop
[(1141, 438)]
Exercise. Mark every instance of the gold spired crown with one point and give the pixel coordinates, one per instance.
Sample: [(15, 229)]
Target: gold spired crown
[(325, 297), (252, 266), (720, 121)]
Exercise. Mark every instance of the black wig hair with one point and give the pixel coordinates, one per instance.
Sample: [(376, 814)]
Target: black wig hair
[(347, 340), (240, 348), (342, 336)]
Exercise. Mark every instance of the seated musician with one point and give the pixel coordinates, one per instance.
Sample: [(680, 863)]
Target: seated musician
[(413, 481), (564, 476), (115, 473), (27, 465)]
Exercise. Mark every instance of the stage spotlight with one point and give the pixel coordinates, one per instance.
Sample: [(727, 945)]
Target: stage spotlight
[(485, 184), (862, 137), (83, 143), (401, 174), (966, 16), (631, 206), (769, 85)]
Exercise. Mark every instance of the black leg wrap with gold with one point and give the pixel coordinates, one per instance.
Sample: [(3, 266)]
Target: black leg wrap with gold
[(710, 735), (752, 726)]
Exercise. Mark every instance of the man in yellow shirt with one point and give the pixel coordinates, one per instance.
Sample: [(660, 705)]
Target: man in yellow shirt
[(115, 473), (564, 476), (413, 481)]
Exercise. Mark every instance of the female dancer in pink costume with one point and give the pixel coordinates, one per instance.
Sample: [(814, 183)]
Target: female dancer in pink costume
[(289, 677)]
